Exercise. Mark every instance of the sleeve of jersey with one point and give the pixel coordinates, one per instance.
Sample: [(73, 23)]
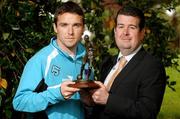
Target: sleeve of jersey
[(27, 100)]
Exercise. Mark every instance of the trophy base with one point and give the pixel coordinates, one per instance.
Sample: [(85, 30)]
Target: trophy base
[(84, 84)]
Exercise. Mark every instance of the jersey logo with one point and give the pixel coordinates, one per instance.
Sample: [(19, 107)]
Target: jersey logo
[(55, 70)]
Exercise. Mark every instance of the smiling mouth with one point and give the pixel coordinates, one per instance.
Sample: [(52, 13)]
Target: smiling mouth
[(69, 38), (126, 39)]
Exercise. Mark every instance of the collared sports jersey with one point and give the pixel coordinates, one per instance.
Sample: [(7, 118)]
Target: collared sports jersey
[(55, 66)]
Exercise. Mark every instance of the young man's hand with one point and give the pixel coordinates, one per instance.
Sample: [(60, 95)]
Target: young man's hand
[(66, 90)]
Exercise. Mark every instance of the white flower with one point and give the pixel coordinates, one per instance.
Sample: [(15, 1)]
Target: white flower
[(86, 32), (64, 0)]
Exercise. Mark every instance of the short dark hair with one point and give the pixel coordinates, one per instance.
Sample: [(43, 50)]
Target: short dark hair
[(132, 11), (69, 7)]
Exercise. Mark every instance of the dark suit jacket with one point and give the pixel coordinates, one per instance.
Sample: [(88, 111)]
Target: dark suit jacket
[(138, 90)]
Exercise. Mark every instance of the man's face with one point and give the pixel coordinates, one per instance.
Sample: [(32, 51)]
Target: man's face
[(128, 35), (69, 30)]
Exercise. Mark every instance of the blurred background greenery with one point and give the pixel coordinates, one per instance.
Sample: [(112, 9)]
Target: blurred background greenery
[(26, 26)]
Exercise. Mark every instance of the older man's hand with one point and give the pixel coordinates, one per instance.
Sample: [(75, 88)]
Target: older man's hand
[(100, 95)]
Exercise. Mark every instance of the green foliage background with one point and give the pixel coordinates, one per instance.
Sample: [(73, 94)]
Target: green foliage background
[(26, 27)]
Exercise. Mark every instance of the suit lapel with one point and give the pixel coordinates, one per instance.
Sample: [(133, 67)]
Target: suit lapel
[(108, 63), (128, 68)]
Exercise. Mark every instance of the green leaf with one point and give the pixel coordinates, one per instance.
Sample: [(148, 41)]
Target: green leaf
[(5, 36)]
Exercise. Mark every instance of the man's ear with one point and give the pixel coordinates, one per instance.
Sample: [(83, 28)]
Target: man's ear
[(114, 30), (54, 26), (143, 31), (83, 30)]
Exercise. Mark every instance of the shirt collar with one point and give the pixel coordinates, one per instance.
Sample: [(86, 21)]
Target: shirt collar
[(80, 52), (129, 57)]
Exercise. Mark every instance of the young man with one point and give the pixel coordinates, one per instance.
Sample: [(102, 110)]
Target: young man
[(137, 90), (58, 64)]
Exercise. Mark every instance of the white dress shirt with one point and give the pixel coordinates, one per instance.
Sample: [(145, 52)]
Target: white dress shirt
[(128, 58)]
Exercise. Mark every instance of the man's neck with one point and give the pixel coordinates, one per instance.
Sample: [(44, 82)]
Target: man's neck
[(126, 52), (70, 50)]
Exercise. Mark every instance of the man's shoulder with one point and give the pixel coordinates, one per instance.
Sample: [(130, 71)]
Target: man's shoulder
[(152, 59), (42, 54), (108, 60)]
